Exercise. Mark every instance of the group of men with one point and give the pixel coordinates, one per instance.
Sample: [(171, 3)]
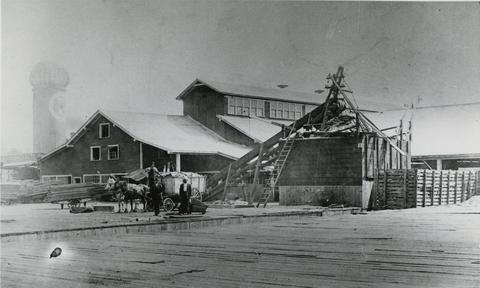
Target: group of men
[(157, 189)]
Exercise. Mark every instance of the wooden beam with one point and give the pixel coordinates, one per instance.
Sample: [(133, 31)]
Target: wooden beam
[(255, 175), (225, 187), (424, 187), (448, 187), (456, 187), (440, 189), (432, 196)]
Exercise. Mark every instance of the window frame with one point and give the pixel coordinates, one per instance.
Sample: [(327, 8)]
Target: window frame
[(99, 153), (100, 130), (118, 151)]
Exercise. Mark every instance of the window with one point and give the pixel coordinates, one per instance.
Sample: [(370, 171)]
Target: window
[(57, 179), (95, 153), (104, 131), (77, 180), (113, 152), (245, 106), (283, 110), (100, 178)]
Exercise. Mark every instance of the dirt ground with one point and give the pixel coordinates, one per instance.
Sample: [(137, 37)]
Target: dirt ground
[(45, 216)]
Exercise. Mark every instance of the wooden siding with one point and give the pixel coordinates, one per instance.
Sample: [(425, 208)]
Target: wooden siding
[(160, 157), (204, 163), (75, 160), (203, 104), (321, 195), (325, 161)]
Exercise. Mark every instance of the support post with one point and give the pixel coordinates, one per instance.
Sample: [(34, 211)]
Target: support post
[(440, 190), (456, 187), (141, 155), (439, 164), (432, 196), (226, 181), (400, 144), (448, 187), (255, 175), (178, 162), (468, 186), (424, 187), (462, 198)]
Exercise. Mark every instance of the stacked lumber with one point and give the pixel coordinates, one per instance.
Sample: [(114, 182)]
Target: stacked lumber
[(10, 192), (441, 187), (58, 193), (396, 189)]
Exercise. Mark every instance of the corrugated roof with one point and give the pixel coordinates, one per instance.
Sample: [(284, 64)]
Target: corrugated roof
[(259, 130), (256, 92), (438, 130), (172, 133)]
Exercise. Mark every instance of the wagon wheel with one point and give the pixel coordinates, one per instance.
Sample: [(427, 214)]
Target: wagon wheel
[(168, 204), (73, 203), (196, 194)]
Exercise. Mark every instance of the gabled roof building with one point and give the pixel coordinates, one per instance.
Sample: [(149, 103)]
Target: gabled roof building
[(220, 123)]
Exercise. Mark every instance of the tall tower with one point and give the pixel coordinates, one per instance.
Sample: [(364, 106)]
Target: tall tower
[(49, 82)]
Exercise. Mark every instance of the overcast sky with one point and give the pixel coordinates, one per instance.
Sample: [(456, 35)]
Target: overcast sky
[(139, 55)]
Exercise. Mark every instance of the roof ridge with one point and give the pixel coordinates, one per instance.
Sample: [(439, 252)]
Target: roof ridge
[(253, 86), (134, 112)]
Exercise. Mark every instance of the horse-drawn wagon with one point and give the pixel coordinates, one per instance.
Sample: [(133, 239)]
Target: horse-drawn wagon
[(132, 187)]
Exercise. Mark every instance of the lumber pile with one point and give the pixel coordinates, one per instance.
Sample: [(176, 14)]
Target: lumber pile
[(58, 193), (440, 187), (10, 192), (399, 188)]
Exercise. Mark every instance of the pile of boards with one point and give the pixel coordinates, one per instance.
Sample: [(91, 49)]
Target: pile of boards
[(68, 192)]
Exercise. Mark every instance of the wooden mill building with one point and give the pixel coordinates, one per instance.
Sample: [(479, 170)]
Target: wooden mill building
[(328, 156), (220, 123)]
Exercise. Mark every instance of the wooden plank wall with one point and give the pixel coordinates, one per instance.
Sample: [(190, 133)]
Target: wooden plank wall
[(409, 188)]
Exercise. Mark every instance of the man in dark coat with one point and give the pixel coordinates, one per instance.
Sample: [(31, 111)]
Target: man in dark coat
[(153, 190), (185, 194)]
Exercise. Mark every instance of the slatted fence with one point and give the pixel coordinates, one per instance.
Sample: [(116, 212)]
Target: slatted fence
[(397, 189)]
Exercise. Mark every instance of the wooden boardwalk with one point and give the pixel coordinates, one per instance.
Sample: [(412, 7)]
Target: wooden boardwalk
[(424, 247)]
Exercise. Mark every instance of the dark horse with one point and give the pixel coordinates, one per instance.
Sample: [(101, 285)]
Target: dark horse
[(124, 192)]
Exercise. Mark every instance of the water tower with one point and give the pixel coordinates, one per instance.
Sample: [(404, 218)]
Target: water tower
[(49, 81)]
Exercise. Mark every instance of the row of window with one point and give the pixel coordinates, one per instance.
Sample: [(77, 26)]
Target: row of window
[(245, 106), (87, 178), (285, 110), (113, 152), (255, 107)]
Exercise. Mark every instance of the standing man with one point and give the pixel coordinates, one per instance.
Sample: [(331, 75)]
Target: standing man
[(153, 189), (185, 194)]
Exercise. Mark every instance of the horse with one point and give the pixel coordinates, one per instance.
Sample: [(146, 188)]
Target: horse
[(124, 192)]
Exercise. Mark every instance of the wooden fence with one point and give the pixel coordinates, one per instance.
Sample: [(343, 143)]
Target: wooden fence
[(397, 189)]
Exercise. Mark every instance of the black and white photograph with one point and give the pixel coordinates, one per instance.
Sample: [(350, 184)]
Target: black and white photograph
[(234, 143)]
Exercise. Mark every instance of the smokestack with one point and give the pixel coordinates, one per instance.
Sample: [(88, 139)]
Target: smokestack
[(49, 82)]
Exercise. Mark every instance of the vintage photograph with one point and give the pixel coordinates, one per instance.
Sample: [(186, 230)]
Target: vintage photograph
[(221, 143)]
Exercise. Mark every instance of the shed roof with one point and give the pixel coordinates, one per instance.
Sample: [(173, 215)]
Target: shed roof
[(258, 129), (255, 92), (172, 133)]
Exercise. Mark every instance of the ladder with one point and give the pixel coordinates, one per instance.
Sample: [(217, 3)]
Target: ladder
[(271, 183)]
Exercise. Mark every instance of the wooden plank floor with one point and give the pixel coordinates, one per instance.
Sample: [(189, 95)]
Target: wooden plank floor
[(424, 247)]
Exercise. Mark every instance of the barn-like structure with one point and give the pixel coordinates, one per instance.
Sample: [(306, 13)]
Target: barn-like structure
[(329, 156)]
